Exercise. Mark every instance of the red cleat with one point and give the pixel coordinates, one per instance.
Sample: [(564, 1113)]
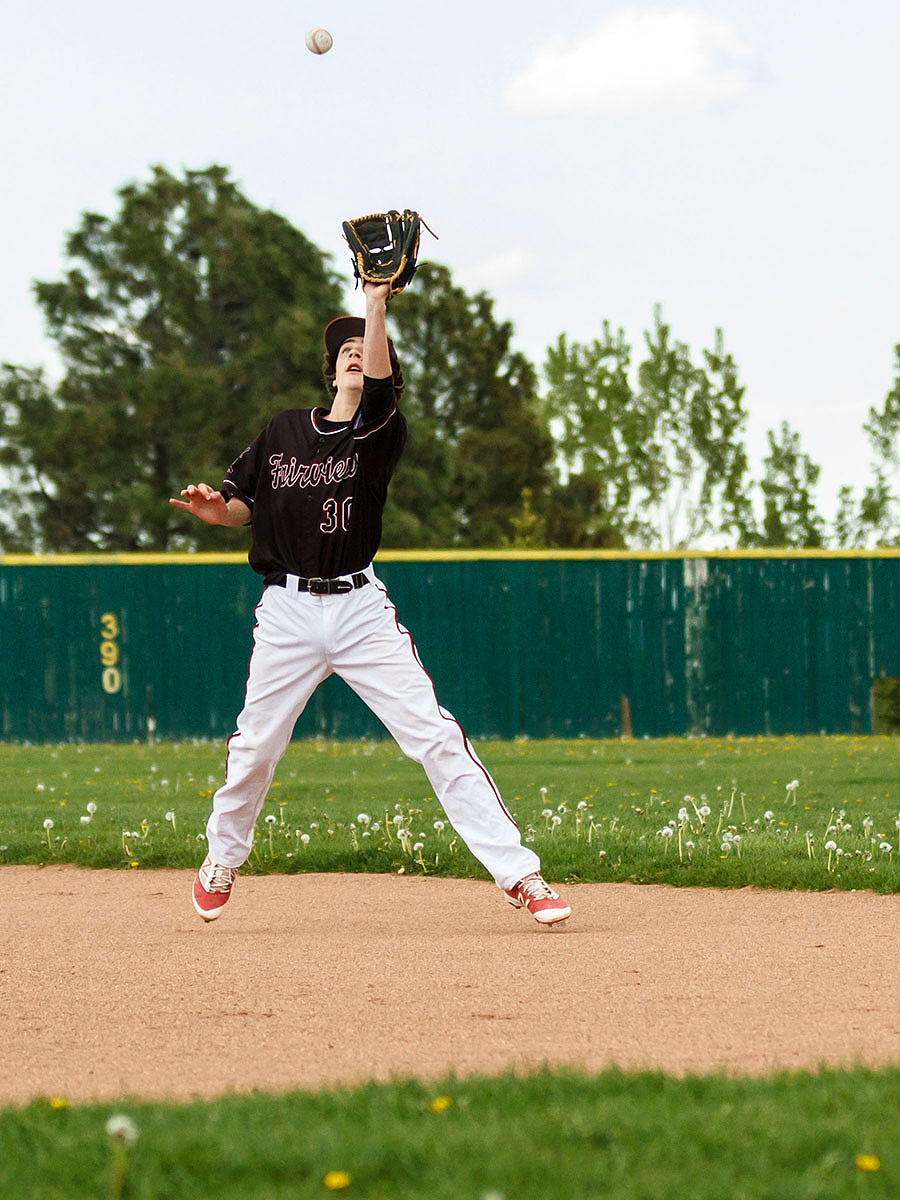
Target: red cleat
[(534, 893), (212, 887)]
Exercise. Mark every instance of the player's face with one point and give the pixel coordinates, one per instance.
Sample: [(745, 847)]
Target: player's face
[(348, 372)]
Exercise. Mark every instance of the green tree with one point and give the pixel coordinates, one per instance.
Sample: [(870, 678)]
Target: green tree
[(183, 322), (477, 438), (875, 517), (790, 476), (690, 457), (659, 464), (590, 405)]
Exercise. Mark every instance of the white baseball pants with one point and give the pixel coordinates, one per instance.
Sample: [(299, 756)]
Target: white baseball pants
[(300, 640)]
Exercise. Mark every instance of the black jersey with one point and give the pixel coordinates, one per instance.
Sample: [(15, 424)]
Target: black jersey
[(316, 489)]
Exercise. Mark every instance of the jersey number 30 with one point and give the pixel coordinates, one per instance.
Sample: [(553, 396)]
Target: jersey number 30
[(336, 517)]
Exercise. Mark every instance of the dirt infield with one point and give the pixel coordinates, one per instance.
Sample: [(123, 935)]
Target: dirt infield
[(111, 987)]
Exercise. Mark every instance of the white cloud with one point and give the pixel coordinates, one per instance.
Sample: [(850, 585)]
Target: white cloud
[(636, 62)]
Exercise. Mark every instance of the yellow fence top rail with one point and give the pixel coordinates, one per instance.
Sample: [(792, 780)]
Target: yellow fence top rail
[(150, 558)]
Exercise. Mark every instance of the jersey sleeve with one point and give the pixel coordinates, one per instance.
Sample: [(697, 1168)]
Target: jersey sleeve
[(379, 429), (378, 400), (242, 477)]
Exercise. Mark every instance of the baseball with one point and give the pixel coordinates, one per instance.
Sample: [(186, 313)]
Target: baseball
[(319, 41)]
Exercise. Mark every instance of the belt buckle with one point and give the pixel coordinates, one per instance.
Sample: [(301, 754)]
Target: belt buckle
[(317, 586)]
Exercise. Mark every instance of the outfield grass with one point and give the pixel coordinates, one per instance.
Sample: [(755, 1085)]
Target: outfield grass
[(557, 1136), (811, 813), (770, 812)]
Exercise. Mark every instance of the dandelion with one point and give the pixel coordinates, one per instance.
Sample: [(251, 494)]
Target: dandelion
[(868, 1162), (85, 820), (704, 810), (439, 826), (363, 819), (91, 807), (885, 847), (123, 1133), (439, 1104), (335, 1181), (58, 1102), (831, 847), (270, 819), (170, 816), (122, 1129), (546, 813), (48, 823), (304, 838), (768, 815)]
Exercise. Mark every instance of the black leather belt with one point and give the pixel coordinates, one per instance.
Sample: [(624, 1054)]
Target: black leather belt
[(323, 587)]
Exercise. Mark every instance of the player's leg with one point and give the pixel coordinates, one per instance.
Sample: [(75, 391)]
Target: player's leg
[(286, 665), (384, 669)]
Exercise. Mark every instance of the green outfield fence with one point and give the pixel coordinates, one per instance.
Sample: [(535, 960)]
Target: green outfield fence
[(552, 644)]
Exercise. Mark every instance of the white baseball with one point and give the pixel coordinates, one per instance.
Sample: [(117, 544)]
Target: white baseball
[(319, 41)]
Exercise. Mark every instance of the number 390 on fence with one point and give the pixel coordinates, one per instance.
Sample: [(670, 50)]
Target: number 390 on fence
[(111, 677)]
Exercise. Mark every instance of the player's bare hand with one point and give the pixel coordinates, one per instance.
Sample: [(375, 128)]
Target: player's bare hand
[(204, 502), (377, 291)]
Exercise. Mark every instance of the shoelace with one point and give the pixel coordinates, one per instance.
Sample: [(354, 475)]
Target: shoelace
[(220, 878), (537, 888)]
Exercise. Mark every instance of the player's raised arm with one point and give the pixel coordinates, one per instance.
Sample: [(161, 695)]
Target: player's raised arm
[(376, 357), (211, 506)]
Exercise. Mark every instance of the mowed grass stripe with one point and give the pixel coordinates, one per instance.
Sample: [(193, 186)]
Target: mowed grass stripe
[(558, 1135)]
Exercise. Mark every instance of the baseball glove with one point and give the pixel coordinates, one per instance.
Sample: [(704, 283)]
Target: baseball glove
[(384, 247)]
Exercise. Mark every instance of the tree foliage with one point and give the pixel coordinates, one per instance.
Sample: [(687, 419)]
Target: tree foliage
[(477, 440), (660, 461), (790, 517), (183, 322), (190, 316), (875, 516)]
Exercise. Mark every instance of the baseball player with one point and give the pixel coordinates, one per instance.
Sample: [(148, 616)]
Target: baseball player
[(313, 486)]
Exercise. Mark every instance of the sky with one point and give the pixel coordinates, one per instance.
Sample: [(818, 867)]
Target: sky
[(733, 162)]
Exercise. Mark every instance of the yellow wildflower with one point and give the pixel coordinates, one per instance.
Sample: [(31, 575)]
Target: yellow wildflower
[(868, 1162), (336, 1180)]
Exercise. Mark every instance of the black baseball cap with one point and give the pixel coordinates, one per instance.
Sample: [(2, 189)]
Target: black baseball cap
[(341, 328)]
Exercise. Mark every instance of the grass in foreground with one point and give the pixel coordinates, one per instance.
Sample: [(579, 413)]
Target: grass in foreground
[(554, 1135), (812, 813)]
